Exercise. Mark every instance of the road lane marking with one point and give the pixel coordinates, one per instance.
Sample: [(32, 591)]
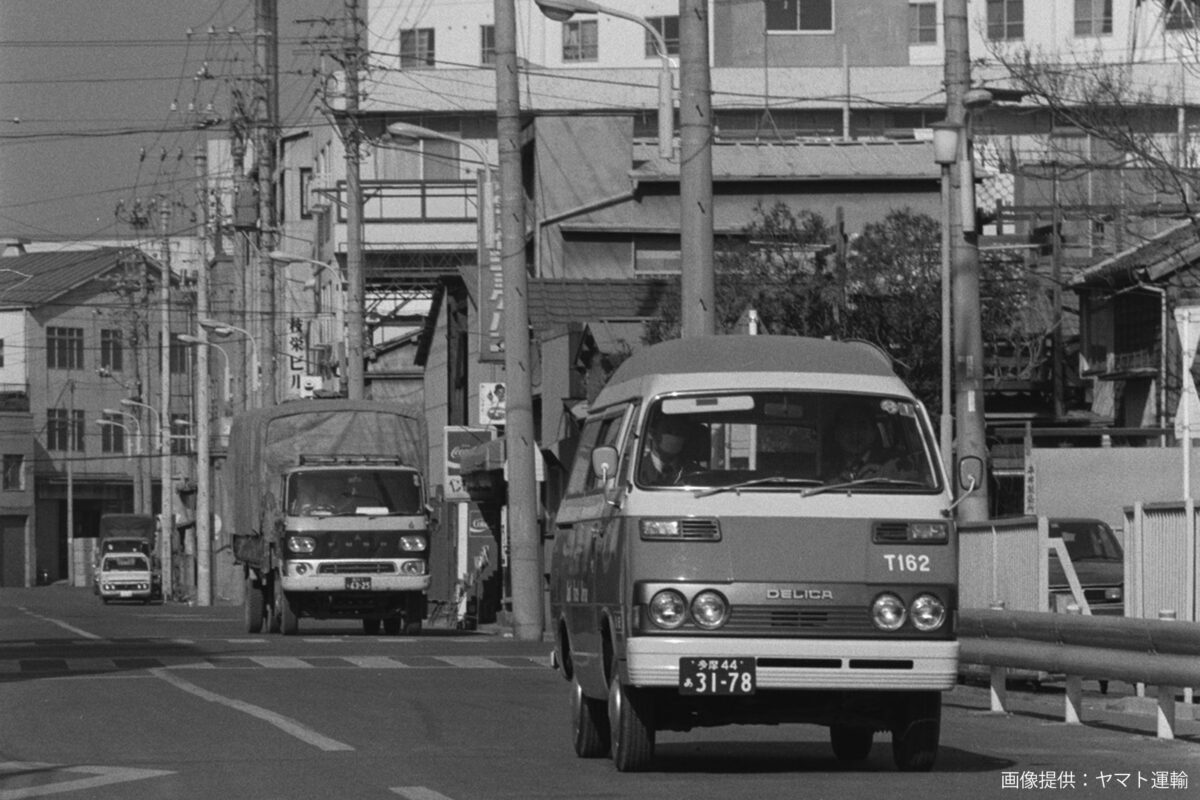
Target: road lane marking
[(418, 793), (470, 662), (61, 624), (101, 776), (285, 724), (280, 662), (375, 662)]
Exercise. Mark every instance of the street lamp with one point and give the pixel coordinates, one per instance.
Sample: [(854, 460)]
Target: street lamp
[(141, 491), (945, 153), (225, 329), (339, 308), (563, 10), (198, 342)]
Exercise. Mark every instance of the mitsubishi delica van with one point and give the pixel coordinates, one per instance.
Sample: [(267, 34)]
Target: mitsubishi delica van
[(756, 529)]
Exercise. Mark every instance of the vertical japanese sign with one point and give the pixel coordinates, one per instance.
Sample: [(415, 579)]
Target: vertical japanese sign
[(491, 276), (295, 355), (456, 439)]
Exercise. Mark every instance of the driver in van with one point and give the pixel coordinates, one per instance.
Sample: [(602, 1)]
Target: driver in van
[(857, 450), (663, 462)]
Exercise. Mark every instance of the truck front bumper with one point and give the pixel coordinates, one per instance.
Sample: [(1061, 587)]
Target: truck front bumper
[(384, 575)]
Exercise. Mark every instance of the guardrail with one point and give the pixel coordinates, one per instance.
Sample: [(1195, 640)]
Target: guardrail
[(1162, 653)]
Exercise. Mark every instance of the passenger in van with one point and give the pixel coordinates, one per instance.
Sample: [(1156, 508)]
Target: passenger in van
[(857, 452), (664, 462)]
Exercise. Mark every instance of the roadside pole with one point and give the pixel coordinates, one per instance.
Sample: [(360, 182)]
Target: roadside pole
[(698, 312)]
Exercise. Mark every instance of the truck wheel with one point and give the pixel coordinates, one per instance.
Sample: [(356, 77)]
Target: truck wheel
[(371, 626), (255, 607), (391, 626), (412, 627), (631, 722), (289, 623), (850, 743), (917, 731), (589, 719)]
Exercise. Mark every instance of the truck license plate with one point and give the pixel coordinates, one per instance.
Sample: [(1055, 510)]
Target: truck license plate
[(358, 584), (717, 676)]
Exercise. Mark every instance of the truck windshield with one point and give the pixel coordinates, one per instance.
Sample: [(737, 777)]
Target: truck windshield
[(770, 441), (130, 563), (369, 492)]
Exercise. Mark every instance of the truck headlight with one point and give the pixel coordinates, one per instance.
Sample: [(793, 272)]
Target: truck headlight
[(410, 543), (301, 544)]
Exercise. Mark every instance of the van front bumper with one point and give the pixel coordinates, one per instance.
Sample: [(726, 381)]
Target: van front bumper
[(869, 664)]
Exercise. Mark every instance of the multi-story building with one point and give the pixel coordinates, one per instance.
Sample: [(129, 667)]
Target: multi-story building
[(81, 400)]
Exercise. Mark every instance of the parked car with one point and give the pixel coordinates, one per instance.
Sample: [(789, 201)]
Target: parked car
[(1099, 564)]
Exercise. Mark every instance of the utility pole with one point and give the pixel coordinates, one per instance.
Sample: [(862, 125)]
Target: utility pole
[(167, 520), (968, 337), (698, 313), (520, 443), (203, 404), (266, 47), (351, 139)]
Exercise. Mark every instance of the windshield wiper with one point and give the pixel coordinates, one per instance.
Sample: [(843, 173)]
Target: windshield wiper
[(736, 487), (837, 487)]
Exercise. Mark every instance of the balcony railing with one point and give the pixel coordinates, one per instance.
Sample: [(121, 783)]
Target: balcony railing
[(415, 201)]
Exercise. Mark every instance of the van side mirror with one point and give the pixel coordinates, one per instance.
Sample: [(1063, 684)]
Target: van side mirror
[(970, 473), (604, 462)]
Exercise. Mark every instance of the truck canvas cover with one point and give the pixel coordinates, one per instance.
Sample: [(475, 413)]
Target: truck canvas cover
[(264, 442)]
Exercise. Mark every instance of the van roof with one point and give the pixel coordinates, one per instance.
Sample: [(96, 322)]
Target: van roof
[(648, 370)]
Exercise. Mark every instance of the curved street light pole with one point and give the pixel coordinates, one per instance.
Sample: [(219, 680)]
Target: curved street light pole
[(224, 329), (141, 490), (166, 516)]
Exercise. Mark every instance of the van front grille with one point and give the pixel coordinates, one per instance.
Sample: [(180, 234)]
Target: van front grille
[(777, 621)]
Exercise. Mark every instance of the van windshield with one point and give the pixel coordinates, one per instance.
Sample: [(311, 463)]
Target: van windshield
[(371, 492), (764, 440)]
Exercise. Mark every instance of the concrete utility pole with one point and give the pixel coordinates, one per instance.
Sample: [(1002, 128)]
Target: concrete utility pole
[(268, 328), (523, 532), (203, 405), (968, 337), (351, 139), (167, 520), (698, 315)]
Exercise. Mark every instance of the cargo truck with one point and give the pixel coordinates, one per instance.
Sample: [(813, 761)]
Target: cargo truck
[(329, 517)]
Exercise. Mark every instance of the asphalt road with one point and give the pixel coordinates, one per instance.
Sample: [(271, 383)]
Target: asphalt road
[(172, 701)]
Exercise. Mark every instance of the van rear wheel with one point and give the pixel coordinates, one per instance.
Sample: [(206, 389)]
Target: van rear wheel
[(589, 721), (631, 720)]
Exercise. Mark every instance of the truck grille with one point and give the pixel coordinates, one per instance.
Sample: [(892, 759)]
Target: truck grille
[(357, 567), (773, 620)]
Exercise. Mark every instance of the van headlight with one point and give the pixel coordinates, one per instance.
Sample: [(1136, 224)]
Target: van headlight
[(710, 610), (928, 612), (668, 609), (888, 612)]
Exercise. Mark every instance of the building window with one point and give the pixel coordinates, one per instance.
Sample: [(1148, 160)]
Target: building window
[(668, 27), (487, 45), (14, 472), (1183, 15), (306, 178), (112, 437), (581, 40), (111, 351), (181, 436), (416, 49), (656, 255), (64, 348), (922, 23), (1005, 19), (179, 356), (800, 15), (1093, 17), (64, 430)]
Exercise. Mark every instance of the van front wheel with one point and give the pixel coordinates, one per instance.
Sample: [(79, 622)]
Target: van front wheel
[(631, 719), (589, 720)]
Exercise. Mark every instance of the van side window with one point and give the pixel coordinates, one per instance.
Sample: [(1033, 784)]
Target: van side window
[(603, 430)]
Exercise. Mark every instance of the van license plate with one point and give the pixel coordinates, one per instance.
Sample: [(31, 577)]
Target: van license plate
[(717, 676), (358, 584)]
